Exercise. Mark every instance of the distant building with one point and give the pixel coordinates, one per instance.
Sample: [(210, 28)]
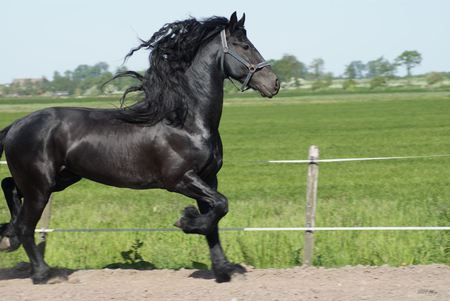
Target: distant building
[(23, 81)]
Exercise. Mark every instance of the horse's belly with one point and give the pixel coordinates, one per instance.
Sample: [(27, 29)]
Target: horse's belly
[(123, 183), (135, 178)]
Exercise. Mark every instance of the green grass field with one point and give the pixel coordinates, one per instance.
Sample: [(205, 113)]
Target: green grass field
[(412, 192)]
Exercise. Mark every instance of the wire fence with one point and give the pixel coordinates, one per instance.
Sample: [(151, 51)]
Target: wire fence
[(338, 159), (351, 159), (311, 229), (307, 229), (311, 200)]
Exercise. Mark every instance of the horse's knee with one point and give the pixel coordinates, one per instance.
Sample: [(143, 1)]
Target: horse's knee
[(221, 206)]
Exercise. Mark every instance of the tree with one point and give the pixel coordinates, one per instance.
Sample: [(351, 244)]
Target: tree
[(80, 73), (84, 77), (409, 59), (380, 70), (62, 83), (316, 68), (354, 70), (289, 67), (380, 67)]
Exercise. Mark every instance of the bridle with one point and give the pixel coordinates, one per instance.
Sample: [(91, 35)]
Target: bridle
[(252, 69)]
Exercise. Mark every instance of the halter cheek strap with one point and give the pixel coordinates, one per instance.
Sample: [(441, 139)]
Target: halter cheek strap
[(252, 69)]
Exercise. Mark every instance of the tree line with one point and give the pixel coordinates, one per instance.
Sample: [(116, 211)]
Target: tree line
[(379, 71), (86, 80)]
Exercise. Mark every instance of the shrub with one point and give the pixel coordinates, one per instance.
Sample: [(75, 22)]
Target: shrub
[(349, 84), (378, 81), (434, 78)]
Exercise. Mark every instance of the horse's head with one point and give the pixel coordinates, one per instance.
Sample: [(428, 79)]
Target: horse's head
[(242, 61)]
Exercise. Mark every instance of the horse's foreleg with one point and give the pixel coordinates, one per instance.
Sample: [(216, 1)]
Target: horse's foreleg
[(192, 221), (222, 268)]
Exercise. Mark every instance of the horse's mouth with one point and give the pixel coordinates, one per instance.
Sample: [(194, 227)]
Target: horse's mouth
[(267, 92), (268, 89), (268, 95)]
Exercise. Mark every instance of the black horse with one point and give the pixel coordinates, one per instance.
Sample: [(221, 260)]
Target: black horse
[(170, 139)]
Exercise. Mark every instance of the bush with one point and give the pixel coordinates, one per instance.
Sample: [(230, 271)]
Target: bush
[(434, 78), (316, 85), (349, 84), (322, 83), (378, 81)]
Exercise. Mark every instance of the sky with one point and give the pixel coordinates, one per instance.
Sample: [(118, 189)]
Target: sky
[(38, 37)]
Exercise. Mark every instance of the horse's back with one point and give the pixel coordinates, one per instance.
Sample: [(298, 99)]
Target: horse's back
[(44, 135)]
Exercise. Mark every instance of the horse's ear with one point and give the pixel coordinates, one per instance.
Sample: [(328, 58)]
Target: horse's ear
[(241, 21), (233, 22)]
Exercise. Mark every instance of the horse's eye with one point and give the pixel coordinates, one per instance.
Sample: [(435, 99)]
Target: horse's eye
[(245, 46)]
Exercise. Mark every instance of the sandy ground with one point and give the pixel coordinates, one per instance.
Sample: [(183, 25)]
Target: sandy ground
[(430, 282)]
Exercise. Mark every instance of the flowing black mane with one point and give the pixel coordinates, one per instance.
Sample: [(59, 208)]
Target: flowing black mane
[(164, 85)]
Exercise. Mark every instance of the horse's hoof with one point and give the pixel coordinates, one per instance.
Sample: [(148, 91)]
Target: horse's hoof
[(9, 244), (225, 272), (5, 243), (191, 212), (177, 223), (190, 222), (41, 277), (187, 216)]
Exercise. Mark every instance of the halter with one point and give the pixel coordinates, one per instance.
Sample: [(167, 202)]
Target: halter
[(252, 69)]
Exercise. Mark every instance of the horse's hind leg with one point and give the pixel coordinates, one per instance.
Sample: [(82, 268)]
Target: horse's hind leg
[(8, 237), (33, 205), (12, 196)]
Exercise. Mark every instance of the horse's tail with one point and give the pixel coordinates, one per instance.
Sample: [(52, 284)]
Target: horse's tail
[(2, 137), (4, 242), (8, 241)]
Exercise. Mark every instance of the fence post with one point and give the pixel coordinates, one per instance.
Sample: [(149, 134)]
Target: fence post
[(311, 202), (44, 223)]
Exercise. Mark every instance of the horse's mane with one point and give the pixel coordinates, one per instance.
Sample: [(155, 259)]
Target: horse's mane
[(164, 84)]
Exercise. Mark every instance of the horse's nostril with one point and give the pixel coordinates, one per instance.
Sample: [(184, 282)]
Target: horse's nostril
[(277, 84)]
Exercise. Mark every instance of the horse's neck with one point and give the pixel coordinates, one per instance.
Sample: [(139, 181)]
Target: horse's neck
[(206, 83)]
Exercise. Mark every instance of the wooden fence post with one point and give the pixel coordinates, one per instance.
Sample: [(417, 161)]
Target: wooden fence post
[(311, 202), (44, 223)]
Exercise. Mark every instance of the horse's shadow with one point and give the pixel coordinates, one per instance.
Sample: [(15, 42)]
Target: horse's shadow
[(202, 274), (23, 271), (201, 269)]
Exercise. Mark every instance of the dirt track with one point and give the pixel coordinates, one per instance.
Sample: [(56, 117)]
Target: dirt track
[(423, 283)]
